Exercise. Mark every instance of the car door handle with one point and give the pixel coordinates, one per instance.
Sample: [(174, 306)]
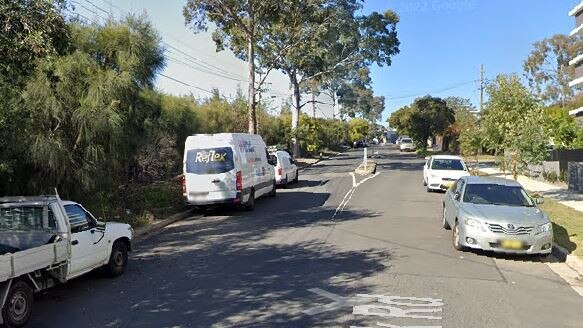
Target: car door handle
[(216, 181), (74, 242)]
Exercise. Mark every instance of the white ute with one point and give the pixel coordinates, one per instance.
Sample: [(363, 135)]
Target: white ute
[(45, 241)]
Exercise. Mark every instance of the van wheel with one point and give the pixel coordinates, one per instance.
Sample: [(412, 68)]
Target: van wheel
[(118, 260), (18, 306), (297, 178), (250, 204), (273, 191)]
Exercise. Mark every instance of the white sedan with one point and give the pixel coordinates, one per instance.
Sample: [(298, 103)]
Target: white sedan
[(286, 170), (441, 171)]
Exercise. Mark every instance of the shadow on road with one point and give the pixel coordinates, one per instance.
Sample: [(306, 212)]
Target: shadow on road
[(233, 269)]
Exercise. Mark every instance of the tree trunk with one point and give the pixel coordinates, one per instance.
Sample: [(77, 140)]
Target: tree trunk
[(251, 66), (295, 112)]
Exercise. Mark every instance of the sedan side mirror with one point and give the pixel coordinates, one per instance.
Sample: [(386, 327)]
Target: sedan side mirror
[(539, 200), (457, 196)]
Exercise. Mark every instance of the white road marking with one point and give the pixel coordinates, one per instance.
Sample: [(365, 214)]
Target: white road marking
[(350, 193), (338, 302), (391, 306), (387, 311), (380, 324)]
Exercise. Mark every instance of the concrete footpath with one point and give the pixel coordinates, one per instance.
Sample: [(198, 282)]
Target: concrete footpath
[(558, 193)]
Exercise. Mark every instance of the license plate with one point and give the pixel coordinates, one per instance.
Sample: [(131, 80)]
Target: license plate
[(512, 244)]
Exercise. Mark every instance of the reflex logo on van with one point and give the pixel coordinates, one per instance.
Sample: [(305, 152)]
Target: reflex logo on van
[(210, 156), (209, 160)]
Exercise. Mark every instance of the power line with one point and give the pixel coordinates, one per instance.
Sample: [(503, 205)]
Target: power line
[(184, 83), (455, 86), (161, 74), (197, 61)]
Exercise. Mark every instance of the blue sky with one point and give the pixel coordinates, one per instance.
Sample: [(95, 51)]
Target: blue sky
[(443, 43)]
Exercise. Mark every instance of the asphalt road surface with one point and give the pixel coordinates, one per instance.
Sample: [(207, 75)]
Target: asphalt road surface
[(331, 251)]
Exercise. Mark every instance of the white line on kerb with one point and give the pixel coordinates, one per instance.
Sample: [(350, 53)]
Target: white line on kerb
[(350, 193)]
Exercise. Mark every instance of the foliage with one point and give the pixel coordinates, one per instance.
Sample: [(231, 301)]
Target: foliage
[(239, 26), (30, 30), (561, 127), (400, 120), (513, 121), (429, 116), (321, 42), (357, 98), (358, 129), (547, 67)]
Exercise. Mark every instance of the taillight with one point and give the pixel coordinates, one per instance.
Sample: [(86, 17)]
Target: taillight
[(239, 181), (280, 171), (184, 185)]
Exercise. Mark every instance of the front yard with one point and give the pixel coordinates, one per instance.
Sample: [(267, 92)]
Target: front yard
[(567, 226)]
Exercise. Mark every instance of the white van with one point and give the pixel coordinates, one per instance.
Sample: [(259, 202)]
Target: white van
[(227, 168)]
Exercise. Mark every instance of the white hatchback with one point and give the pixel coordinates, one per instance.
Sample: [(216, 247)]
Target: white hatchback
[(286, 170), (441, 171)]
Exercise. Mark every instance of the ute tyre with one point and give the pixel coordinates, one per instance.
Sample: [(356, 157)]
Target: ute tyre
[(18, 307), (455, 237), (444, 223), (250, 204), (118, 260)]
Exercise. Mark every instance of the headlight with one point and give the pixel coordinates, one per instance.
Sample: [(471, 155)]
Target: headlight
[(475, 223), (543, 228), (131, 231)]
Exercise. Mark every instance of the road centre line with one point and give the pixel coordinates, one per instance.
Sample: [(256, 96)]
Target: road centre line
[(350, 193)]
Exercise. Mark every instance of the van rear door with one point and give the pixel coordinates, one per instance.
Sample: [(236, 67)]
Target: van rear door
[(210, 172)]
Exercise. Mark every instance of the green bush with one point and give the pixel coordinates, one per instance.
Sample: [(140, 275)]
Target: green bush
[(550, 176), (422, 153)]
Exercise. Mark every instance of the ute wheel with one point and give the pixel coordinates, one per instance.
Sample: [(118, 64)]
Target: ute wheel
[(456, 237), (250, 204), (18, 306), (118, 260), (444, 223), (273, 191)]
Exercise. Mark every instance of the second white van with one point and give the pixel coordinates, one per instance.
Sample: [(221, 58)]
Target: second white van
[(227, 168)]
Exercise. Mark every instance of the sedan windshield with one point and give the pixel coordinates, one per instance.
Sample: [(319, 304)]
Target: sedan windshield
[(495, 194), (447, 164), (407, 141)]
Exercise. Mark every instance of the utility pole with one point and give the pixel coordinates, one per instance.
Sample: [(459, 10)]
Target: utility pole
[(481, 87)]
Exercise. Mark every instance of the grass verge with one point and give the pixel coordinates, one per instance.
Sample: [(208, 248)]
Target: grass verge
[(567, 226)]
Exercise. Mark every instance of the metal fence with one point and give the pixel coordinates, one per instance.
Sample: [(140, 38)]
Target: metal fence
[(564, 156), (575, 176)]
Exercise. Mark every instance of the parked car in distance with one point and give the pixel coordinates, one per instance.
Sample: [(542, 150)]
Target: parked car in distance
[(286, 170), (398, 142), (359, 144), (406, 144), (227, 168), (441, 171), (496, 214), (44, 242)]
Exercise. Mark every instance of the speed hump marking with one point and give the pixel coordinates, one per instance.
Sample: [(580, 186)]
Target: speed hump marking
[(384, 306)]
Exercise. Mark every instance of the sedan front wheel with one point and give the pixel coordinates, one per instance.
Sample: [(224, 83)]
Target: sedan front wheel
[(456, 237), (444, 223)]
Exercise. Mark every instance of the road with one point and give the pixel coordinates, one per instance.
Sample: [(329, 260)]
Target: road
[(324, 253)]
